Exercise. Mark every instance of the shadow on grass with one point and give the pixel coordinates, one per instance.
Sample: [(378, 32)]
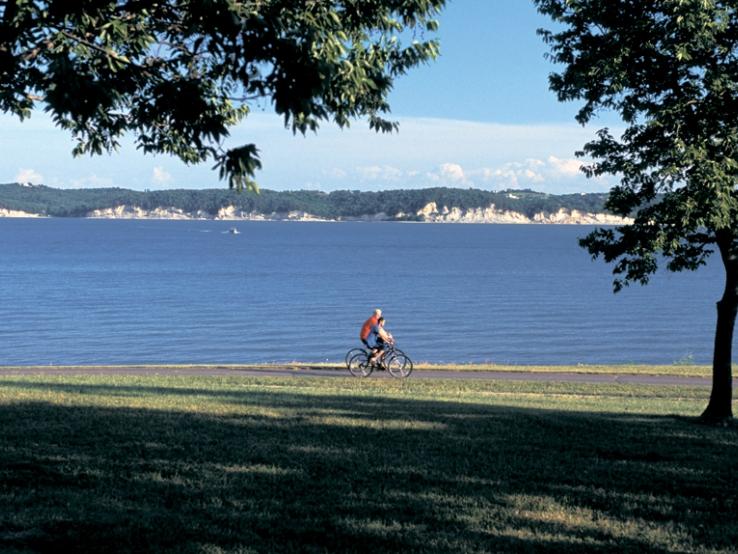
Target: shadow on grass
[(306, 473)]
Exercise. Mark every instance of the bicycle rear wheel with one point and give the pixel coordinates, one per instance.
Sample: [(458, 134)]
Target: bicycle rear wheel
[(351, 353), (359, 365), (400, 366)]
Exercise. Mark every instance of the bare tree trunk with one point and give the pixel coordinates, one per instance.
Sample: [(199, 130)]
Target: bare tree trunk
[(721, 398)]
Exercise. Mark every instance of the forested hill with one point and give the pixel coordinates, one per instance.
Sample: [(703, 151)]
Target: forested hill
[(397, 204)]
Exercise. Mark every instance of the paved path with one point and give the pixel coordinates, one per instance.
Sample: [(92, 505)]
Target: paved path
[(309, 371)]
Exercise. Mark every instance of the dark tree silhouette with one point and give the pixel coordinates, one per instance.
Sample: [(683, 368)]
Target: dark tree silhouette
[(670, 69), (177, 74)]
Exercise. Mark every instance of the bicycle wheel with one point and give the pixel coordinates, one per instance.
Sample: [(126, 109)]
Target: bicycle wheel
[(408, 364), (351, 353), (359, 365), (399, 365), (407, 358)]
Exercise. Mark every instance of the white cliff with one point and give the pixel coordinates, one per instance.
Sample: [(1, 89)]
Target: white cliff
[(4, 212), (227, 213), (432, 214), (571, 217), (135, 212)]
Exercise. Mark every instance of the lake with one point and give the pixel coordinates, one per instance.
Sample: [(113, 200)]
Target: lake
[(78, 291)]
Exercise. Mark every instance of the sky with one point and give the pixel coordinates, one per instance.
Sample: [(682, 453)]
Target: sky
[(480, 116)]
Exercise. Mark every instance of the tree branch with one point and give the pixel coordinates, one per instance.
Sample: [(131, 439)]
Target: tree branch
[(107, 52)]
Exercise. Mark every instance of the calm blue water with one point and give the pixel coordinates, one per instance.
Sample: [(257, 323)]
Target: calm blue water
[(76, 291)]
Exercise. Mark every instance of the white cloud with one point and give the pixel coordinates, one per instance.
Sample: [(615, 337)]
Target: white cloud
[(380, 172), (503, 177), (160, 176), (425, 152), (533, 176), (549, 173), (29, 176), (453, 172), (433, 177), (566, 168), (510, 175)]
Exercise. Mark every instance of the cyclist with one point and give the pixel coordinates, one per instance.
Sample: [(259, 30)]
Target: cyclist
[(381, 337), (366, 329)]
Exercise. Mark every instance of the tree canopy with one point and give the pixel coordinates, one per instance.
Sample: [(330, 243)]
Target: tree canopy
[(670, 69), (177, 74)]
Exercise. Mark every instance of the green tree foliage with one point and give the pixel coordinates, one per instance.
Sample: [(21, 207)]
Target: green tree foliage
[(670, 69), (177, 74)]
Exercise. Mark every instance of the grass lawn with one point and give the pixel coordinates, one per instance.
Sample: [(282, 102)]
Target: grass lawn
[(183, 464)]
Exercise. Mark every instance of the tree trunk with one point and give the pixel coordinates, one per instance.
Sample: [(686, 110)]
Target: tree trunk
[(720, 407)]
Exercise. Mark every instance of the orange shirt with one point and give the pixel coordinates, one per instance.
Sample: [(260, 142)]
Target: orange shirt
[(367, 327)]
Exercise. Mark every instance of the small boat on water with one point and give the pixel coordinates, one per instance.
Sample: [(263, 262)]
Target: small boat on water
[(234, 231)]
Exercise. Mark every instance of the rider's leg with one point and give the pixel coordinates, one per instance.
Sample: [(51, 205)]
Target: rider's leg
[(376, 354), (375, 349)]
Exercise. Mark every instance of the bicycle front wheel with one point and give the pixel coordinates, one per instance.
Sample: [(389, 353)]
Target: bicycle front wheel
[(400, 366), (359, 365), (399, 352)]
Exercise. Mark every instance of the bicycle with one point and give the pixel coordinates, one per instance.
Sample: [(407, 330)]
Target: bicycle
[(394, 360), (354, 351)]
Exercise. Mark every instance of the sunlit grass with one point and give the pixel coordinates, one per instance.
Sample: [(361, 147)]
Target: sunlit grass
[(232, 464)]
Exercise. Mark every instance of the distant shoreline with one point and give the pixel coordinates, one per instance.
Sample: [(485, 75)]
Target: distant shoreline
[(508, 218), (432, 205)]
